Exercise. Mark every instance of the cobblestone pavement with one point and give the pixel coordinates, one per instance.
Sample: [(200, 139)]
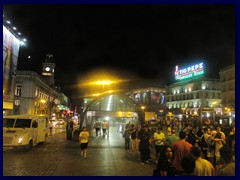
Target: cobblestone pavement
[(59, 157)]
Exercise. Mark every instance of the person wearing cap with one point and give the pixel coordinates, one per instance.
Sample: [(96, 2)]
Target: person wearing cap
[(172, 138)]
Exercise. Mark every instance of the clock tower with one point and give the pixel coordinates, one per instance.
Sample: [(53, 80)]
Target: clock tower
[(48, 69)]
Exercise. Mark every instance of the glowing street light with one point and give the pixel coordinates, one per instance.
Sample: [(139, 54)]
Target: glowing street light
[(143, 107), (42, 107), (43, 101), (103, 83)]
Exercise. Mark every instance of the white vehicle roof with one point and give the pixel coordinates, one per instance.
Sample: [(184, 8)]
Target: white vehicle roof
[(25, 116)]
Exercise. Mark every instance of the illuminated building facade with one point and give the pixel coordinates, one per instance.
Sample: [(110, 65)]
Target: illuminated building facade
[(227, 82), (33, 95), (152, 98), (11, 45), (151, 101), (198, 97)]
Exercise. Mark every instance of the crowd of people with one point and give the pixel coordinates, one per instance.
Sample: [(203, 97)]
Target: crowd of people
[(189, 151), (192, 151)]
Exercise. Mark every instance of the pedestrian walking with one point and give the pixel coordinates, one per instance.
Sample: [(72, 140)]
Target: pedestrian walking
[(108, 128), (97, 126), (83, 139), (50, 127), (104, 127), (126, 135)]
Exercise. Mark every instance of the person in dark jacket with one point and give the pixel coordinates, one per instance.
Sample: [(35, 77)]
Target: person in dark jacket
[(144, 144), (126, 135)]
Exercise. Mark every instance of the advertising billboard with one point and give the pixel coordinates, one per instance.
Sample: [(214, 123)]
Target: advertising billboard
[(189, 72), (10, 57)]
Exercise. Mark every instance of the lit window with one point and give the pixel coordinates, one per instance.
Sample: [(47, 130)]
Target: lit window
[(17, 102), (36, 92), (18, 90)]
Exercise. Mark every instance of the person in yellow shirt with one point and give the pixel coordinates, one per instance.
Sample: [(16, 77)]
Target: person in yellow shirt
[(83, 139), (159, 139)]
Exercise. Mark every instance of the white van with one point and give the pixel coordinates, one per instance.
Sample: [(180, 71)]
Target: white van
[(24, 130)]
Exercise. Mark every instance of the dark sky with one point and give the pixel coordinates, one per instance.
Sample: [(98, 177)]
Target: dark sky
[(126, 41)]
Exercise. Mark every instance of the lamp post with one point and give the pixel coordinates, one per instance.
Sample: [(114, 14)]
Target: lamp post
[(143, 113), (214, 104)]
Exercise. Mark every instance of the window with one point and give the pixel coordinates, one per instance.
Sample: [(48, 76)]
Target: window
[(18, 90), (36, 92), (17, 102)]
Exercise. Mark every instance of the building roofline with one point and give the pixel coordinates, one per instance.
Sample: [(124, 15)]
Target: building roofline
[(227, 67)]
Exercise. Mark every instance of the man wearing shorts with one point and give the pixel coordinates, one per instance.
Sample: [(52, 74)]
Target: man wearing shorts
[(83, 139)]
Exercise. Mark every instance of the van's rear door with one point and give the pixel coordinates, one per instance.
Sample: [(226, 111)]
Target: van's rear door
[(41, 130)]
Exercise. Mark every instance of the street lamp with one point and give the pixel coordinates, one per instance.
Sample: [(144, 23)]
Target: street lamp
[(142, 113), (214, 104), (43, 101), (143, 107), (103, 83)]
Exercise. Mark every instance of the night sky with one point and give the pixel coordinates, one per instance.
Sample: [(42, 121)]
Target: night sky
[(127, 41)]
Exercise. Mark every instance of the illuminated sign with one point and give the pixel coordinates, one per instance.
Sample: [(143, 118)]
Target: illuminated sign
[(10, 58), (189, 72)]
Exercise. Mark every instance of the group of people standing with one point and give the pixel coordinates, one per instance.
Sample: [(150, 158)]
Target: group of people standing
[(104, 126), (191, 157), (185, 154)]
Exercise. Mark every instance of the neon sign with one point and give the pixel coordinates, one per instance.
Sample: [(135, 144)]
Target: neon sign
[(189, 72)]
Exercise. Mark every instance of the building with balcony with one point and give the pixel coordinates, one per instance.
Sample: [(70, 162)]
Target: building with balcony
[(194, 97), (33, 95)]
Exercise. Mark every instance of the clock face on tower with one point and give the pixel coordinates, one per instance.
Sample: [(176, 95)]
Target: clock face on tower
[(47, 69)]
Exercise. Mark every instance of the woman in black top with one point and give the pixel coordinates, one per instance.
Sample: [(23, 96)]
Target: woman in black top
[(165, 162)]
